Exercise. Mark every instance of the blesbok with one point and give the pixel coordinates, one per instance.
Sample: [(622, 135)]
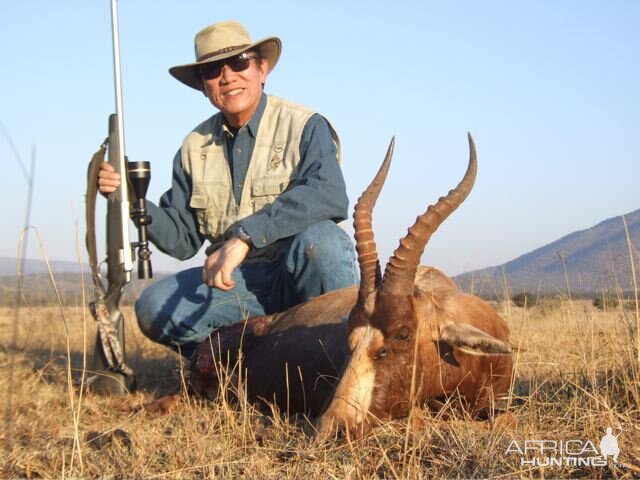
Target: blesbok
[(373, 351)]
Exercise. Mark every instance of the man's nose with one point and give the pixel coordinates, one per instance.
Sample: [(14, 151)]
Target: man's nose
[(226, 73)]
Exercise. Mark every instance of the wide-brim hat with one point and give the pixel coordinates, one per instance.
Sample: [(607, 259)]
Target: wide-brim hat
[(220, 41)]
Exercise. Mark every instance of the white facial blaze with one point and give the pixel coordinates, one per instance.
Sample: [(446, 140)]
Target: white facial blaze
[(353, 395)]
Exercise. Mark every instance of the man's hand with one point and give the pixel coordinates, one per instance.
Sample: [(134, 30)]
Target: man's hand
[(220, 264), (108, 179)]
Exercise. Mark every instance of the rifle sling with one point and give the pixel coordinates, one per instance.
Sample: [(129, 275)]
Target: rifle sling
[(90, 212), (107, 331)]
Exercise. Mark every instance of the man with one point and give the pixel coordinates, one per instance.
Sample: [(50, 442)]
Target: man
[(260, 180)]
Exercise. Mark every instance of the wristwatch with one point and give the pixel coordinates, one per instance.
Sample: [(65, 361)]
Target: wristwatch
[(242, 235)]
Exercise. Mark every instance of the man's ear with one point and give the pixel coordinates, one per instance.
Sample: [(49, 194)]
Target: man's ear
[(264, 70)]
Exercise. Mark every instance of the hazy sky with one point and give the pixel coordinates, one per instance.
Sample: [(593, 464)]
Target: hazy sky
[(549, 89)]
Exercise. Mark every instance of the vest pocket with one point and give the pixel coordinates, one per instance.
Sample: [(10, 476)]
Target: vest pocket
[(215, 209), (266, 189), (200, 203)]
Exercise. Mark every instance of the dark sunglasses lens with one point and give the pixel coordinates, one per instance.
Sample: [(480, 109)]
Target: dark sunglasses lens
[(239, 64), (213, 70)]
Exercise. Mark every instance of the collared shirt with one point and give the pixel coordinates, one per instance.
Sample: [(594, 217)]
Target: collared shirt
[(239, 145), (318, 193)]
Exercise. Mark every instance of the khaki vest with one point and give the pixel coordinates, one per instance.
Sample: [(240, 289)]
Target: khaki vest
[(272, 168)]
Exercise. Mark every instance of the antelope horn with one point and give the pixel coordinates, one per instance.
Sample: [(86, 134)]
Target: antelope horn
[(370, 277), (399, 276)]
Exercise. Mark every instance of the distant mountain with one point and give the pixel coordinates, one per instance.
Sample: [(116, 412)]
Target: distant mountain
[(37, 286), (595, 260), (9, 266), (37, 289), (591, 261)]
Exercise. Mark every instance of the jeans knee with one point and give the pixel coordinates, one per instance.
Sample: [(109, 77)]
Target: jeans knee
[(147, 315), (324, 254), (324, 240)]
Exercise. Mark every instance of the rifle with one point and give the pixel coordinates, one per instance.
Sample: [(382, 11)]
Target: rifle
[(110, 372)]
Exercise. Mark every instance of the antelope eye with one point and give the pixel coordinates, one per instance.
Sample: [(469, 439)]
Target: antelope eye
[(403, 334), (381, 353)]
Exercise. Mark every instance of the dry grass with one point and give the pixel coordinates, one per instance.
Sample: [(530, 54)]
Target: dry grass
[(576, 375)]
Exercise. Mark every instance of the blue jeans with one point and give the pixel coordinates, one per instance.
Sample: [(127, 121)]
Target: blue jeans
[(181, 311)]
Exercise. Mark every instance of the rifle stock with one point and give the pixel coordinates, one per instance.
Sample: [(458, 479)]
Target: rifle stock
[(109, 356)]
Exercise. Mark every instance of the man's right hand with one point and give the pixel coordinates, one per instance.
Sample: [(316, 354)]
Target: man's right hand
[(108, 179), (219, 266)]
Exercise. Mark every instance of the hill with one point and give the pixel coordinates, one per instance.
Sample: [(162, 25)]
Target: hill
[(588, 261), (37, 287), (8, 266)]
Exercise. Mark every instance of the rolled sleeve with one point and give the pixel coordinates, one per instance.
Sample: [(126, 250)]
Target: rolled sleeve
[(174, 227)]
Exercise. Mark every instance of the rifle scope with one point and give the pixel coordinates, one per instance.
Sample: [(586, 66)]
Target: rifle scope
[(139, 174)]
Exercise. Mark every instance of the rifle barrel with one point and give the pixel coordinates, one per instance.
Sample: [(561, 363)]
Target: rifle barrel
[(126, 254)]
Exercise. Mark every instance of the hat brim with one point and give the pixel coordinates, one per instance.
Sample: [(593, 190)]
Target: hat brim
[(189, 74)]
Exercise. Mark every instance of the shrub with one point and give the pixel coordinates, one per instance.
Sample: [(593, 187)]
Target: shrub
[(606, 302), (524, 299)]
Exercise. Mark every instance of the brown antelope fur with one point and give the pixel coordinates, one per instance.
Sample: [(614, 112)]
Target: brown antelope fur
[(292, 359), (375, 351)]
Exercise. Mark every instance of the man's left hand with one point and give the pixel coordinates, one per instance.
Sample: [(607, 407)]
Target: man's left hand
[(220, 265)]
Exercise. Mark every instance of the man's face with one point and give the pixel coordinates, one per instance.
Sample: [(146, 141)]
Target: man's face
[(236, 93)]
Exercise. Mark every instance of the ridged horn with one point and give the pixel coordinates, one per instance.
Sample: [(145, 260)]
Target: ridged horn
[(399, 276), (370, 277)]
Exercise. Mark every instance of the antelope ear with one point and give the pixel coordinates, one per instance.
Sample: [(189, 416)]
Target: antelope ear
[(472, 340)]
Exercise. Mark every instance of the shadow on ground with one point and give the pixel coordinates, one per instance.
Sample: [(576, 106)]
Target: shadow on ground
[(159, 375)]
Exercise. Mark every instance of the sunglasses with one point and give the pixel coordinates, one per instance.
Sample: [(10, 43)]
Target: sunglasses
[(240, 63)]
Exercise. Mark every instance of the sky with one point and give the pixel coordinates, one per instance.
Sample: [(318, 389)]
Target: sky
[(550, 91)]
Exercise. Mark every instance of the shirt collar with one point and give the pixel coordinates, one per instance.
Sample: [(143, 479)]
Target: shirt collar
[(253, 123)]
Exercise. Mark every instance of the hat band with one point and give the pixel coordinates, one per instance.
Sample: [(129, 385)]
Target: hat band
[(224, 50)]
